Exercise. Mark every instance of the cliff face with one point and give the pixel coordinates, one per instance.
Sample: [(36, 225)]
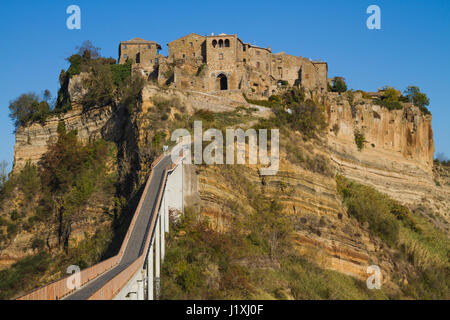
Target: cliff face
[(397, 157), (32, 141)]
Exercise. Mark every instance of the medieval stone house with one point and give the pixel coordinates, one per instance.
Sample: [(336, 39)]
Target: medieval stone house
[(223, 62)]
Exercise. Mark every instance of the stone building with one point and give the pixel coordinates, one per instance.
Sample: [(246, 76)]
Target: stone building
[(144, 53), (223, 62)]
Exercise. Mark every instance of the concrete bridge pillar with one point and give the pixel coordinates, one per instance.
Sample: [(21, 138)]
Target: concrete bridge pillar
[(163, 234), (157, 255), (150, 271), (140, 289)]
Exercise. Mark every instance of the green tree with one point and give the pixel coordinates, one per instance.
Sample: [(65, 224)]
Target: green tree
[(418, 98), (22, 108), (339, 85)]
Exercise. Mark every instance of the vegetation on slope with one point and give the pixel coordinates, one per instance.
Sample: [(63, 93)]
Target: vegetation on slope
[(415, 240), (251, 257), (73, 184), (107, 82)]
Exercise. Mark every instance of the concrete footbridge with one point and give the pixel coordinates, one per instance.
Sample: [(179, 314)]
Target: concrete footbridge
[(134, 272)]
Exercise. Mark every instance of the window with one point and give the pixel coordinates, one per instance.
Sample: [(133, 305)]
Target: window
[(156, 60), (220, 56), (220, 43), (184, 56), (244, 48), (214, 43), (125, 56), (124, 46), (191, 44), (245, 61), (227, 43), (149, 46)]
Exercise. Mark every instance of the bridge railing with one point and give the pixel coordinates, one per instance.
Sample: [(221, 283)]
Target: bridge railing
[(60, 288), (112, 287)]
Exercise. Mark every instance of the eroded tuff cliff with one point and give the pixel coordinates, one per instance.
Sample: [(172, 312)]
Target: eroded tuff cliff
[(397, 159)]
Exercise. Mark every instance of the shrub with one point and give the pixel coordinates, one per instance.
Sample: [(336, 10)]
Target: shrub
[(28, 181), (120, 72), (360, 139), (130, 92), (22, 274), (200, 69), (367, 205)]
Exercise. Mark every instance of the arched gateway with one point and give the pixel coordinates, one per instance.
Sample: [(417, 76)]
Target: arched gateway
[(222, 82)]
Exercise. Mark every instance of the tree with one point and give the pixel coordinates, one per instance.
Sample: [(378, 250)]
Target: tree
[(88, 51), (390, 94), (418, 98), (100, 87), (339, 85), (23, 108)]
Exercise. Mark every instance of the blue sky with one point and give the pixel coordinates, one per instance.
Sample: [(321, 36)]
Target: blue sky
[(412, 48)]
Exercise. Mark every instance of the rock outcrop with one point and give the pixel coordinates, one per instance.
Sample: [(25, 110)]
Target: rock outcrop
[(397, 157)]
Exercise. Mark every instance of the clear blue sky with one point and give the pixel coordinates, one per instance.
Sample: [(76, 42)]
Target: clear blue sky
[(412, 47)]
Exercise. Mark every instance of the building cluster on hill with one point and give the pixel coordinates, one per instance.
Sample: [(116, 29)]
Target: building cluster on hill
[(222, 62)]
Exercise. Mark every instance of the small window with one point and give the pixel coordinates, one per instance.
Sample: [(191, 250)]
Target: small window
[(192, 45), (124, 46), (149, 46), (245, 61), (244, 48), (125, 56), (220, 43), (227, 43), (220, 56), (156, 60), (184, 56), (214, 43)]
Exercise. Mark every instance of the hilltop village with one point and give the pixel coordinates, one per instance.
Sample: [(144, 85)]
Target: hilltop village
[(223, 62)]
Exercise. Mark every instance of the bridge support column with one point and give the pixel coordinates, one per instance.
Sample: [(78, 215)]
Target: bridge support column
[(140, 289), (150, 271), (166, 211), (162, 224), (157, 256)]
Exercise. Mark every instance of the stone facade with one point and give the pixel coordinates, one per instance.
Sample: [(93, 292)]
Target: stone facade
[(224, 62), (144, 53)]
